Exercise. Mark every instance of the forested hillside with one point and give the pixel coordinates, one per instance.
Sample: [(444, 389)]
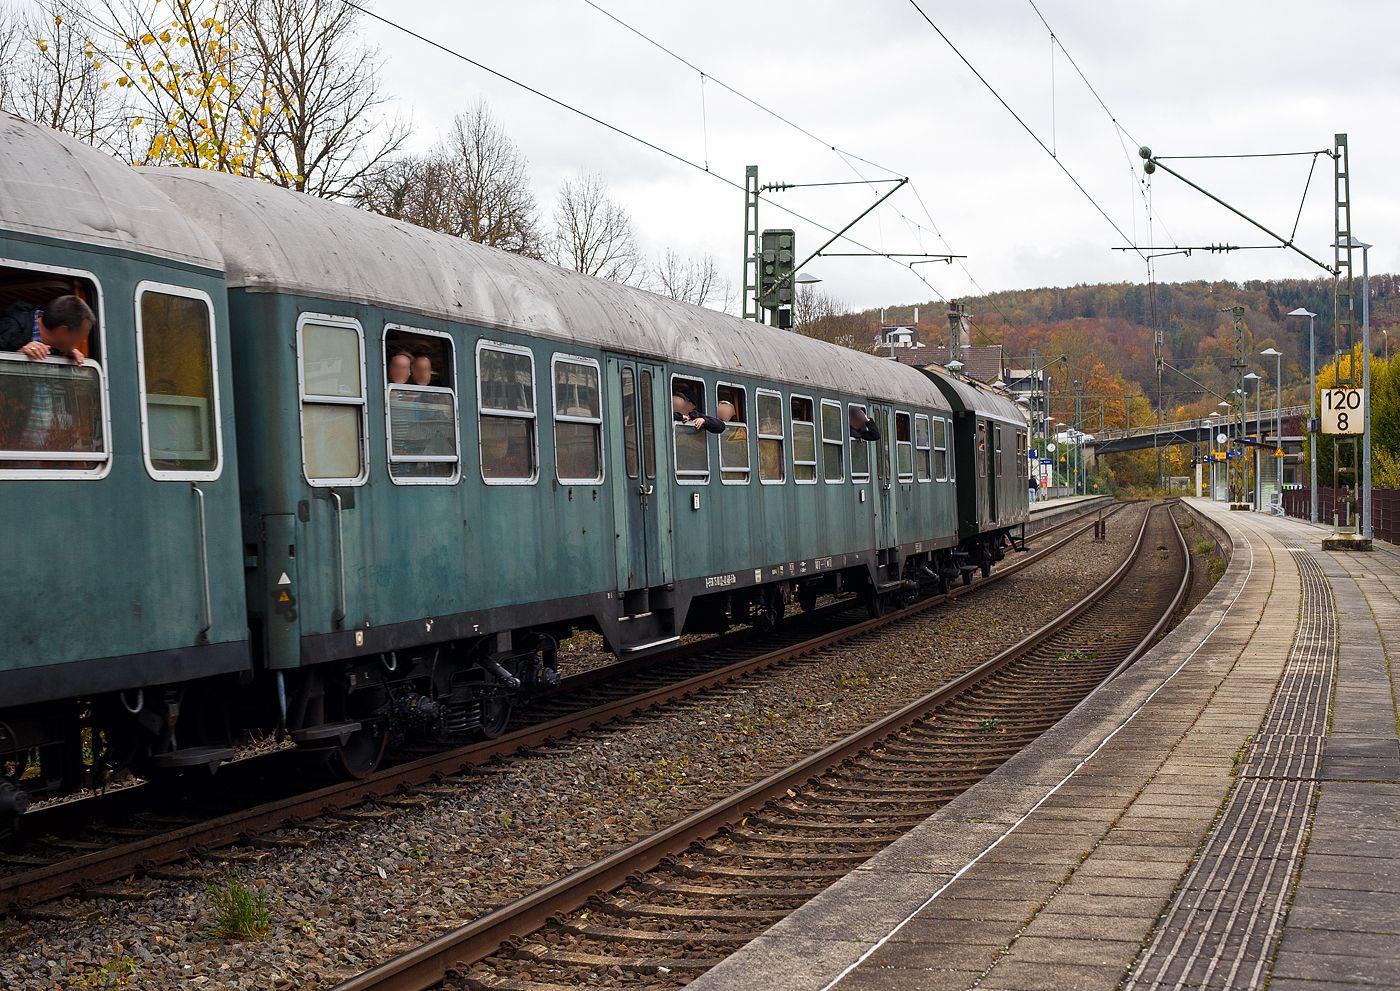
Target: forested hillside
[(1110, 325)]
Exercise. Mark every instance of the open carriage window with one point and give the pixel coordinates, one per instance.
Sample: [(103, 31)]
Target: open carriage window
[(692, 446), (732, 407), (421, 406), (54, 415), (804, 442), (860, 450)]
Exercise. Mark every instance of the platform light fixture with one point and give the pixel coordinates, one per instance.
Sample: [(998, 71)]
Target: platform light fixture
[(1277, 355), (1303, 311)]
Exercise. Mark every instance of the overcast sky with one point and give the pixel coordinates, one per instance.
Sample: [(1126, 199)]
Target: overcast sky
[(874, 79)]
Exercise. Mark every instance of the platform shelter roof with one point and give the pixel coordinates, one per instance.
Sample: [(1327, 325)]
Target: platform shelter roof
[(274, 240)]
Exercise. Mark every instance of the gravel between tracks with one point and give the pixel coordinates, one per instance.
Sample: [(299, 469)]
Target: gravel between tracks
[(362, 894)]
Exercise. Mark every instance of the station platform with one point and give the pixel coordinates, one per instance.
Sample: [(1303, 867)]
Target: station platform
[(1225, 814), (1064, 502)]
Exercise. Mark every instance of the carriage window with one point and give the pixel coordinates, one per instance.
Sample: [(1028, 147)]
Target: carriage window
[(1022, 468), (52, 417), (904, 447), (175, 339), (998, 452), (420, 405), (860, 454), (770, 437), (921, 448), (804, 442), (629, 421), (27, 289), (834, 432), (332, 401), (506, 412), (940, 449), (734, 442), (578, 421), (692, 445), (648, 426), (981, 450)]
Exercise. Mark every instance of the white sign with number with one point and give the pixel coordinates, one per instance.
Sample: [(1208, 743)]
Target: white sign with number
[(1343, 411)]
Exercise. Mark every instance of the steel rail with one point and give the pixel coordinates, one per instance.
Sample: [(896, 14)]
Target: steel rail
[(78, 874), (430, 963)]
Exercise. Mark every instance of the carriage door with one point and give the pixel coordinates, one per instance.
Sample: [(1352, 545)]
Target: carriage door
[(635, 411), (886, 528)]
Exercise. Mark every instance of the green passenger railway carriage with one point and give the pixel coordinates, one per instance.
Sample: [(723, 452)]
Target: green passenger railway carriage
[(392, 555)]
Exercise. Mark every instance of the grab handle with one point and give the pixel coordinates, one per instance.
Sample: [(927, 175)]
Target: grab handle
[(204, 562), (338, 617)]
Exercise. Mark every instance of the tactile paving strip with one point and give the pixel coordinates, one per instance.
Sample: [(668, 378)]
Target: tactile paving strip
[(1223, 926)]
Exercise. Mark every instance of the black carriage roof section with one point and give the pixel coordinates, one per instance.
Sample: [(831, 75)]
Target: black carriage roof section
[(967, 396), (55, 189), (277, 241)]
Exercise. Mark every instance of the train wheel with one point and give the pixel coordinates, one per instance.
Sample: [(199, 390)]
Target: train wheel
[(807, 600), (875, 605), (495, 717), (359, 757)]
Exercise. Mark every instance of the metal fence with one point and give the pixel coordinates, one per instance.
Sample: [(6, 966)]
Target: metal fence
[(1385, 510)]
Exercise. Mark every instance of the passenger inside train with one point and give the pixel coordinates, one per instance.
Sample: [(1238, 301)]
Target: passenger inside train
[(400, 367), (862, 427), (59, 329)]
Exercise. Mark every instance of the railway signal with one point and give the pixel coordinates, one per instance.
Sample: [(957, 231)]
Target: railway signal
[(775, 274)]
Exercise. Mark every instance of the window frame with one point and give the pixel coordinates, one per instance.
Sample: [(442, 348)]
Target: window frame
[(748, 446), (690, 477), (488, 345), (389, 458), (184, 292), (332, 320), (780, 437), (936, 450), (997, 466), (927, 449), (792, 427), (573, 359), (858, 478), (839, 442), (900, 477), (103, 464)]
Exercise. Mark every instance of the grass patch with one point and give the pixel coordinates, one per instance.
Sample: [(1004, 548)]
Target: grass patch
[(240, 910), (1204, 547)]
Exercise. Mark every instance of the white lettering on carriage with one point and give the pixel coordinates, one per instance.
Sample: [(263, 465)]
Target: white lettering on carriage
[(821, 563), (720, 581)]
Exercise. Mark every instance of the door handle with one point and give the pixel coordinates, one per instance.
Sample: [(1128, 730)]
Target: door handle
[(644, 492)]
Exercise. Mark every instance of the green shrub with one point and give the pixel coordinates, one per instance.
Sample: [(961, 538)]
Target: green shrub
[(240, 911), (1204, 547)]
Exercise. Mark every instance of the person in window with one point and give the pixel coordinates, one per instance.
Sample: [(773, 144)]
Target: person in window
[(862, 427), (422, 370), (684, 409), (58, 330), (400, 367), (726, 412)]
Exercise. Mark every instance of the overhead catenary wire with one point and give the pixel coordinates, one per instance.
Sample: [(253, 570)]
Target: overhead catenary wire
[(605, 124), (1034, 137)]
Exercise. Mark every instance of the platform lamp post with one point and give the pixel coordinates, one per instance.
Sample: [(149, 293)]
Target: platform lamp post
[(1257, 380), (1228, 417), (1312, 409), (1277, 355)]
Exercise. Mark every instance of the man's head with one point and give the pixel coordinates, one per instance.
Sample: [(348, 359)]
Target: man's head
[(422, 370), (858, 417), (400, 367), (681, 401), (725, 411), (66, 323)]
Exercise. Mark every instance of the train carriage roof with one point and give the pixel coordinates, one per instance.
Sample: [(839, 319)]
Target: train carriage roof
[(968, 396), (274, 240), (54, 186)]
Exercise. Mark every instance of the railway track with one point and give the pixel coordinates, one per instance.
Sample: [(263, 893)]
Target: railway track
[(81, 847), (672, 905)]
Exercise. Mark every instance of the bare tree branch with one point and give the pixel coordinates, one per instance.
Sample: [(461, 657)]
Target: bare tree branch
[(688, 280), (825, 318), (323, 133), (53, 78), (593, 233), (491, 195)]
